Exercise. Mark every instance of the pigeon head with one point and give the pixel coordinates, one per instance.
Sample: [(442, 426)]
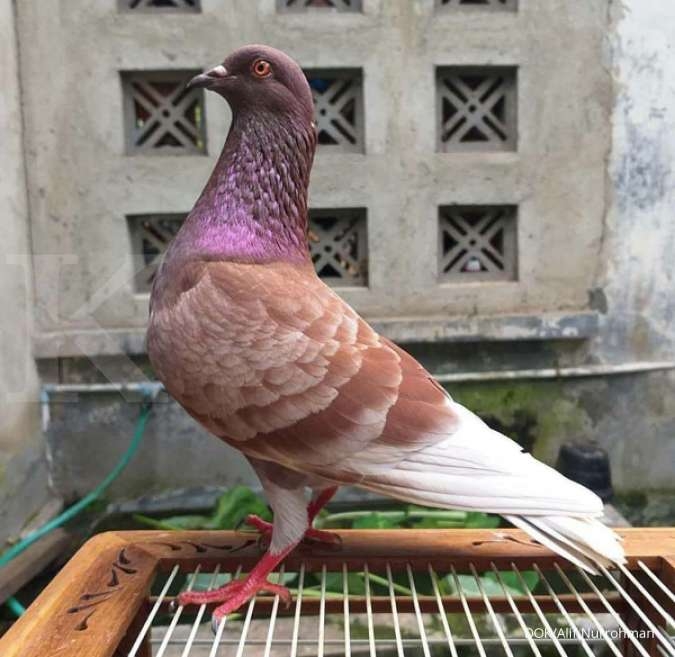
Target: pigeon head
[(254, 205), (258, 78)]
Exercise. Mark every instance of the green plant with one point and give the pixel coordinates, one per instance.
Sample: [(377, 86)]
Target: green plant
[(230, 511), (236, 503), (409, 517)]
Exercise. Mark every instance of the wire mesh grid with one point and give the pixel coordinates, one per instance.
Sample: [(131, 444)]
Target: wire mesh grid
[(385, 610)]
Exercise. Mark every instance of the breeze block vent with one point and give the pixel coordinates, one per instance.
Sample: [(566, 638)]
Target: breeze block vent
[(338, 243), (162, 117), (152, 6), (496, 5), (313, 5), (477, 243), (477, 108), (150, 236), (338, 107)]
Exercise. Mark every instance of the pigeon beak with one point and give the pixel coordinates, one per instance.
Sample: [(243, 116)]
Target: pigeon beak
[(208, 79)]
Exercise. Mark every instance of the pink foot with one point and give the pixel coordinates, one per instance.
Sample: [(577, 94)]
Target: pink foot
[(236, 593), (319, 535), (233, 595), (263, 526)]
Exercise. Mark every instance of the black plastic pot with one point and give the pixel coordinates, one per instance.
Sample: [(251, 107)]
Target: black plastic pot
[(587, 464)]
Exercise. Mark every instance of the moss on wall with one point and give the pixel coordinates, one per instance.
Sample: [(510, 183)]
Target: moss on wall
[(540, 415)]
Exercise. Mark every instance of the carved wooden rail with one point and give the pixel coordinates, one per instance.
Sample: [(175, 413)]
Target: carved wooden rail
[(98, 603)]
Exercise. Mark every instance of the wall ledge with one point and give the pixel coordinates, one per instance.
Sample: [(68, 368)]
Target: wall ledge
[(491, 328), (551, 326)]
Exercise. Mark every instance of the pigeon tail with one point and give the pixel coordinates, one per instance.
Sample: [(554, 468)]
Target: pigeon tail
[(478, 469), (586, 542)]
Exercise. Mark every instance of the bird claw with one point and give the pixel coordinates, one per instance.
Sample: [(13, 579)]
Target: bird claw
[(322, 536), (237, 600), (215, 623), (258, 523), (232, 596), (311, 535)]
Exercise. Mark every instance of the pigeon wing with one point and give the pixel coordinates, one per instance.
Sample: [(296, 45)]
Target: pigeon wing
[(273, 361)]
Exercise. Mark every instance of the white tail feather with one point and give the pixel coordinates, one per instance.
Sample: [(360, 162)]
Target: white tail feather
[(597, 545), (478, 469)]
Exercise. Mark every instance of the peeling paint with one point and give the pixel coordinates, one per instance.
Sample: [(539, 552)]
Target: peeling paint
[(644, 169)]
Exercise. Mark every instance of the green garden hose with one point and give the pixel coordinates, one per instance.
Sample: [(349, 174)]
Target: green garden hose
[(13, 604)]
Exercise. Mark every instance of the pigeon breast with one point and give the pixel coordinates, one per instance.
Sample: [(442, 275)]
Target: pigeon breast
[(272, 361)]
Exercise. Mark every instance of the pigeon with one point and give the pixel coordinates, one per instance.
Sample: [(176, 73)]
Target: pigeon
[(262, 353)]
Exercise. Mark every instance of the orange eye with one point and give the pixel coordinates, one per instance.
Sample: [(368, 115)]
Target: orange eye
[(261, 68)]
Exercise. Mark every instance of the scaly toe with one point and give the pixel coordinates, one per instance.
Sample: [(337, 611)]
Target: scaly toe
[(322, 536), (238, 600), (276, 589), (185, 598), (221, 594), (258, 523), (236, 594)]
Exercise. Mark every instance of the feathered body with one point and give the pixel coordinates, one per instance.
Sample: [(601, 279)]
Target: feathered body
[(263, 354)]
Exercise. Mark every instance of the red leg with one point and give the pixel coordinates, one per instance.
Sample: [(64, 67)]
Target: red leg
[(265, 528), (234, 594), (313, 509), (319, 502)]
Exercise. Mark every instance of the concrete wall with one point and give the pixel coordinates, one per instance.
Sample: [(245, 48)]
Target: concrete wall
[(83, 182), (630, 415), (592, 177), (23, 472)]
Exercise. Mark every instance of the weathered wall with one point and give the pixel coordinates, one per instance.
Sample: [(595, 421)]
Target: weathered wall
[(639, 282), (89, 436), (23, 473)]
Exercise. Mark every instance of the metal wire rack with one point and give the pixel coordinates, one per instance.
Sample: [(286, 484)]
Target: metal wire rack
[(406, 593)]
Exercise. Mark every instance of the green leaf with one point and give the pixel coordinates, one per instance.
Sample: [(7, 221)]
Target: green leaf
[(231, 509), (436, 523), (490, 583), (204, 580), (513, 583), (470, 585), (446, 514), (173, 523), (234, 505), (355, 583), (477, 520), (375, 520)]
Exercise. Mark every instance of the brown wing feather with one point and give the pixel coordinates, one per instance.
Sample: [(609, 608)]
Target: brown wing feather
[(273, 361)]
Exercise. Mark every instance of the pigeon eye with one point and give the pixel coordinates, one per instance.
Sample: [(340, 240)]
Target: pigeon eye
[(261, 68)]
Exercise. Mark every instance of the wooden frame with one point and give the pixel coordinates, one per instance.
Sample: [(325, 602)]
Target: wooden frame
[(94, 606)]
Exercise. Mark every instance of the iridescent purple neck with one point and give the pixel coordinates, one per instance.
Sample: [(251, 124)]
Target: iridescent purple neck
[(254, 206)]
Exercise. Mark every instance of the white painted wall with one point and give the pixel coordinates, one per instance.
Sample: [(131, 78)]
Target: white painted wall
[(638, 284), (640, 237)]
